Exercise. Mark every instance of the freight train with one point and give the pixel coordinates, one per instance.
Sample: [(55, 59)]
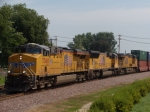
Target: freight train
[(34, 66)]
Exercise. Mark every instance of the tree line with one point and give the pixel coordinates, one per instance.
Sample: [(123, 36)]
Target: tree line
[(102, 41), (20, 25)]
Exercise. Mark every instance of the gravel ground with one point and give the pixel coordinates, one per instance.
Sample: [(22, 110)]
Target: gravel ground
[(27, 102)]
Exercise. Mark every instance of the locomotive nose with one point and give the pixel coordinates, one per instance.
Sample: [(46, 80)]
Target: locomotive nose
[(17, 83)]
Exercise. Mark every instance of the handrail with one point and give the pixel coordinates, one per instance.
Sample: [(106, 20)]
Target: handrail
[(31, 72)]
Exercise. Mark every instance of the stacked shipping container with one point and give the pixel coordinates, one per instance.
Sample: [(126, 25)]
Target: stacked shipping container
[(148, 60), (142, 57)]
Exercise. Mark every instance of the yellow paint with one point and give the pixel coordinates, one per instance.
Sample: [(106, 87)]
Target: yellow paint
[(66, 62)]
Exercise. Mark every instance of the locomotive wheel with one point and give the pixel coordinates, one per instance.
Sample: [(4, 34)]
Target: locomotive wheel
[(101, 73), (96, 75), (113, 72), (125, 71), (38, 86), (118, 72), (86, 76), (90, 76), (53, 82), (47, 85)]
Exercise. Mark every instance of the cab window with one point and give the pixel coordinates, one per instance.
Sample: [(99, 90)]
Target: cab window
[(33, 50), (45, 53)]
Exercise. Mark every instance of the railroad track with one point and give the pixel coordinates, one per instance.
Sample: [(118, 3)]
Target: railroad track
[(4, 96), (1, 87)]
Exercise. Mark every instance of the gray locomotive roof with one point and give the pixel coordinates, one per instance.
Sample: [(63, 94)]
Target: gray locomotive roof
[(94, 52), (44, 47), (41, 46)]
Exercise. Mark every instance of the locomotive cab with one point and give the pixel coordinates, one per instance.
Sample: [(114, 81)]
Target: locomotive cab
[(22, 68)]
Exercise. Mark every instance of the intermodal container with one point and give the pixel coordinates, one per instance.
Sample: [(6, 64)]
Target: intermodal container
[(141, 55), (143, 66), (148, 58)]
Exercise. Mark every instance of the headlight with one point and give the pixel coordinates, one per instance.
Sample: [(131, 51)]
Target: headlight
[(24, 72), (20, 57)]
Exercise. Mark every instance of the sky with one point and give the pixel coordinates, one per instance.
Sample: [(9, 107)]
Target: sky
[(128, 18)]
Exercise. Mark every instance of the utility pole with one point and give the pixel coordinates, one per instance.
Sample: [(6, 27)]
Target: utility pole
[(53, 41), (119, 43), (56, 40)]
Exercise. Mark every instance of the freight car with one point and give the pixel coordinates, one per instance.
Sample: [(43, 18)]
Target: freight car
[(34, 66), (143, 58)]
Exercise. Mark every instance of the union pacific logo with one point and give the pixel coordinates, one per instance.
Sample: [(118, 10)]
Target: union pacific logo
[(23, 64)]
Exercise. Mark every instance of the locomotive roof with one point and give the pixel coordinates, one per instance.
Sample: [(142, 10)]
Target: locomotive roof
[(81, 52), (44, 47), (121, 55), (41, 46), (94, 52)]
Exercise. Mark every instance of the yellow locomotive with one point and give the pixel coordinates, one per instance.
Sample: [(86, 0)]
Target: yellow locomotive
[(35, 66)]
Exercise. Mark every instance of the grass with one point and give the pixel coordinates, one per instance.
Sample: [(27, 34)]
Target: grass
[(2, 80), (2, 76), (74, 103), (143, 105)]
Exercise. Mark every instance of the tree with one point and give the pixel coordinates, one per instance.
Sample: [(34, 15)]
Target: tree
[(9, 37), (102, 41), (19, 25), (78, 42), (88, 40), (33, 26), (71, 45)]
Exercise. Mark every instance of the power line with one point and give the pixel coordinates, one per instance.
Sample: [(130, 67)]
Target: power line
[(135, 41), (114, 35), (63, 37), (62, 41), (115, 39), (134, 37)]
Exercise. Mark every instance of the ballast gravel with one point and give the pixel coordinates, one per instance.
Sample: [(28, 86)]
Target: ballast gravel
[(27, 102)]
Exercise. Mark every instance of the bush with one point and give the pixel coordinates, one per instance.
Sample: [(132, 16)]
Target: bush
[(142, 87), (123, 101), (104, 103), (143, 91), (148, 85), (135, 94), (95, 109)]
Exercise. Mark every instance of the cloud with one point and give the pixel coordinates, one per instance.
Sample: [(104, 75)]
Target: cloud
[(126, 16), (70, 20), (132, 22)]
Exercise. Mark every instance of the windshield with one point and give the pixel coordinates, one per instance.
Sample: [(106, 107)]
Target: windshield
[(33, 50)]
